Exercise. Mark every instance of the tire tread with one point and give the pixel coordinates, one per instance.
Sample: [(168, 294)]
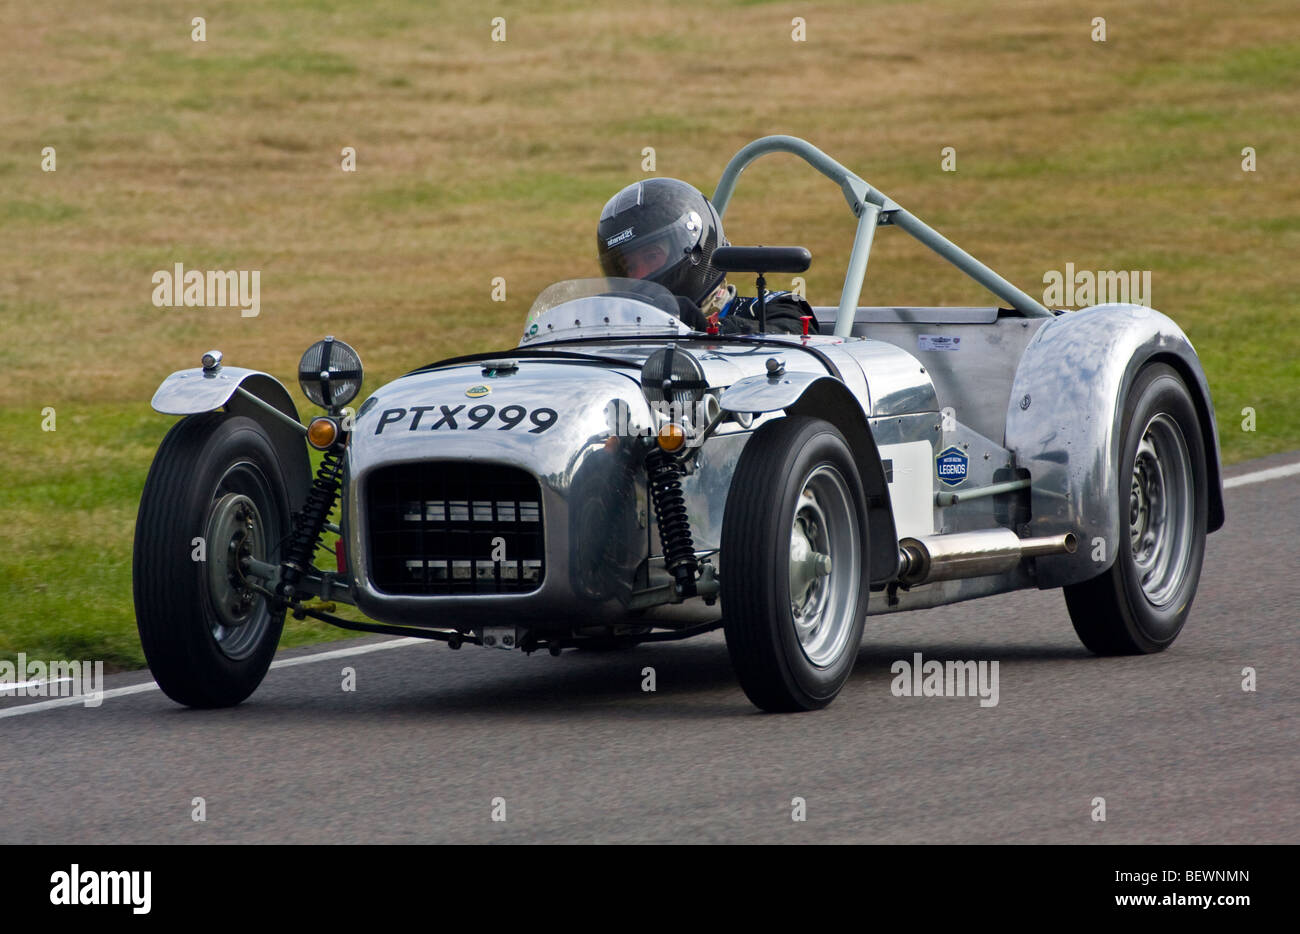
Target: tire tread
[(164, 580), (756, 656)]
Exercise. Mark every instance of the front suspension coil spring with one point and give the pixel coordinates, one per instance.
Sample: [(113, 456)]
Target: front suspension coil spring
[(308, 524), (664, 473)]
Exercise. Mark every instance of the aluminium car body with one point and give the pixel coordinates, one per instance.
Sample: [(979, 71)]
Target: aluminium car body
[(615, 477)]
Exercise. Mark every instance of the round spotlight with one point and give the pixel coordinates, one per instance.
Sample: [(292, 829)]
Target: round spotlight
[(330, 373), (322, 432), (672, 375)]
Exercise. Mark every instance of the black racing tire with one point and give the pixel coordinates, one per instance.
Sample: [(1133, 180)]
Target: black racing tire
[(213, 473), (793, 633), (1139, 605)]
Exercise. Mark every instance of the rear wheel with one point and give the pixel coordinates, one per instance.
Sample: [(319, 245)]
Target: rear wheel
[(793, 565), (215, 495), (1140, 604)]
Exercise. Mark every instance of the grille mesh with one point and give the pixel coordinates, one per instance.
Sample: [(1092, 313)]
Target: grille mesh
[(441, 528)]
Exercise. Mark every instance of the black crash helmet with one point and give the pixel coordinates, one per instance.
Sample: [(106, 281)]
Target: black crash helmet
[(663, 230)]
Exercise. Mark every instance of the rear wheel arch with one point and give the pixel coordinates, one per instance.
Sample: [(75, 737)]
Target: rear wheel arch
[(1140, 602), (1063, 424)]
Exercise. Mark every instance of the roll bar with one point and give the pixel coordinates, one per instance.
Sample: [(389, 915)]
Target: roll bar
[(873, 209)]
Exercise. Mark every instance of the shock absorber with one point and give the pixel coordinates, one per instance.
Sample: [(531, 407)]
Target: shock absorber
[(308, 524), (664, 473)]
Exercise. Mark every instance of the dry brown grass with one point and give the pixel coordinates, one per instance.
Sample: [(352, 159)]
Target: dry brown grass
[(480, 159)]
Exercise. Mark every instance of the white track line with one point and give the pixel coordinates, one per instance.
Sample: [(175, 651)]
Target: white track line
[(70, 701), (24, 685), (1259, 476), (153, 686)]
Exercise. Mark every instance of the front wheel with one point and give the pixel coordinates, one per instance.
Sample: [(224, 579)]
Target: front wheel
[(1139, 605), (793, 574), (216, 494)]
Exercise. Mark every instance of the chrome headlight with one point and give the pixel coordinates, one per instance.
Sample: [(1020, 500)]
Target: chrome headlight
[(673, 376), (330, 373)]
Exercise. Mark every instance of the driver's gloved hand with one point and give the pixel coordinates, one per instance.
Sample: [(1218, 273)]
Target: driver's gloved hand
[(691, 315), (737, 324)]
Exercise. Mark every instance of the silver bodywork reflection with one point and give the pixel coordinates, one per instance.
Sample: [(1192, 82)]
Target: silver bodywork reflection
[(601, 541), (191, 392), (899, 384), (602, 545), (706, 488), (1063, 423), (595, 535), (975, 380), (188, 392), (767, 394)]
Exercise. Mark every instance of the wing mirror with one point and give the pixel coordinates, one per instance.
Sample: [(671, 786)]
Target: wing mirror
[(761, 260)]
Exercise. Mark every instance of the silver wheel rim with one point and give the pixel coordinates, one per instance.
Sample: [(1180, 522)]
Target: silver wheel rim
[(237, 527), (1161, 503), (824, 565)]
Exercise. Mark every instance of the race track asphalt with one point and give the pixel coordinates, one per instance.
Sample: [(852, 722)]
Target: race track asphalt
[(578, 752)]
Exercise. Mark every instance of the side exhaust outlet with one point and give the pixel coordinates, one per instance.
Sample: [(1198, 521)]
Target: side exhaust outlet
[(973, 554)]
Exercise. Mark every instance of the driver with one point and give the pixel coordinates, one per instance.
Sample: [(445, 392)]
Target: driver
[(665, 230)]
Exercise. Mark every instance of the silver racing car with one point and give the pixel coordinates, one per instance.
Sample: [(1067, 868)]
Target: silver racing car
[(618, 478)]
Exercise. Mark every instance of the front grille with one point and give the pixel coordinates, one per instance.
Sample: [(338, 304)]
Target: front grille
[(443, 528)]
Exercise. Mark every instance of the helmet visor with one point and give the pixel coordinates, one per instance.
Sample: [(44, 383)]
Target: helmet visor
[(634, 254)]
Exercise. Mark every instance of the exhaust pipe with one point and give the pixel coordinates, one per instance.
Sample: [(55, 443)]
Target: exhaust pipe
[(973, 554)]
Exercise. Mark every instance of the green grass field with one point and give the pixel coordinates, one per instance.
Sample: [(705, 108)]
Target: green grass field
[(478, 159)]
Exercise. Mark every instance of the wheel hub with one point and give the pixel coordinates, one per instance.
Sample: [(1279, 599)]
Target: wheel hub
[(1161, 507), (823, 537), (1146, 505), (808, 562), (234, 533)]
